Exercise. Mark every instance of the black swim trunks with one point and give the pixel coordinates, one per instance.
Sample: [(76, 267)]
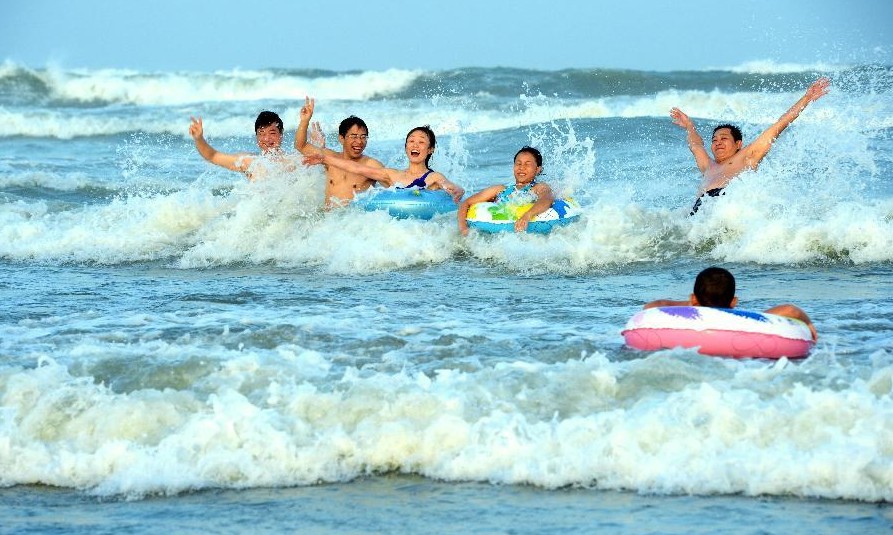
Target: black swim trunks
[(715, 192)]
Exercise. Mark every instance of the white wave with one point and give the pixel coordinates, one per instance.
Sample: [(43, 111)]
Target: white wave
[(185, 94), (390, 120), (343, 241), (763, 226), (154, 226), (10, 68), (64, 182), (273, 418), (173, 88), (768, 66), (765, 217)]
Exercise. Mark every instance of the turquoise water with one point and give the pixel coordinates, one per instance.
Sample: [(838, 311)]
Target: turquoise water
[(412, 505), (183, 350)]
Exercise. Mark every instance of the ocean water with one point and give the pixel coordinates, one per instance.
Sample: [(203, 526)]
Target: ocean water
[(181, 349)]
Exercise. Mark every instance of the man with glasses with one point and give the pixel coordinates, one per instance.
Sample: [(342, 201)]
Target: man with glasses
[(353, 134), (268, 130)]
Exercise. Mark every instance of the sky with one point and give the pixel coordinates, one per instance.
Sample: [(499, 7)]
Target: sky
[(658, 35)]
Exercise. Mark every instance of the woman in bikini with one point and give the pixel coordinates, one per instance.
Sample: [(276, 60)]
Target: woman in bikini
[(525, 190), (420, 142)]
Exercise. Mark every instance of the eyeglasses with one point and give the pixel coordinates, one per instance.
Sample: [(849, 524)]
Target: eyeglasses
[(354, 137)]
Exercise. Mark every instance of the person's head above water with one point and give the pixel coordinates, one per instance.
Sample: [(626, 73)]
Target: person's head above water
[(528, 164), (727, 141), (537, 156), (353, 134), (268, 118), (715, 288), (268, 129), (733, 130), (422, 133), (353, 121)]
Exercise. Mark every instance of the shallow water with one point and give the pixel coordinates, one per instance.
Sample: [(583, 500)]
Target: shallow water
[(177, 341), (399, 504)]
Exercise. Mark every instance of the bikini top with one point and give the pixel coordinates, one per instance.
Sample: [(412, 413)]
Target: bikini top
[(517, 196), (417, 183)]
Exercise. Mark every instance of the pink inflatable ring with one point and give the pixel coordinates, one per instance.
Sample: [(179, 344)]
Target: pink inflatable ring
[(725, 332)]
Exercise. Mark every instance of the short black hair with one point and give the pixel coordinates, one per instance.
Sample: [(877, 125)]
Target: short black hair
[(533, 152), (736, 132), (266, 118), (350, 122), (715, 287)]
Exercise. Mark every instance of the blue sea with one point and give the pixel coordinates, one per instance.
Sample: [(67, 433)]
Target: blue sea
[(184, 351)]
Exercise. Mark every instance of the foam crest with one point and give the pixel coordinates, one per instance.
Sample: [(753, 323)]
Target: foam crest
[(128, 229), (769, 66), (342, 241), (166, 89), (650, 425), (390, 120), (759, 228)]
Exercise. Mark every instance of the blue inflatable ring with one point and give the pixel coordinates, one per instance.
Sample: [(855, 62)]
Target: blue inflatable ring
[(406, 203)]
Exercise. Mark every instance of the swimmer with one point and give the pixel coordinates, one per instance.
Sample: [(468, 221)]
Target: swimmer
[(526, 189), (715, 288), (419, 146), (729, 158), (353, 134), (268, 130)]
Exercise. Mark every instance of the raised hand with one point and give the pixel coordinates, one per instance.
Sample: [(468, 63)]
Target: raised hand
[(818, 89), (307, 109), (680, 118), (195, 128)]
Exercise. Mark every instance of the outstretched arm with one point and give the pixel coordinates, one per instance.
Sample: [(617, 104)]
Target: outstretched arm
[(380, 174), (695, 143), (756, 151), (235, 162), (793, 311), (454, 190)]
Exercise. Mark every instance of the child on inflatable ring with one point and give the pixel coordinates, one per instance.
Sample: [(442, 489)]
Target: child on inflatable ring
[(528, 164)]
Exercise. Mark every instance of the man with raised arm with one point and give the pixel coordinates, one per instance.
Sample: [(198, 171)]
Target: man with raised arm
[(730, 158), (268, 130), (341, 185)]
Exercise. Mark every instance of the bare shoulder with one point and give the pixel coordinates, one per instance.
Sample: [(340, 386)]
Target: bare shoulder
[(371, 162)]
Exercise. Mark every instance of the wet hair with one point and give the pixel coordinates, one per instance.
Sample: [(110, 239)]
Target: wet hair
[(266, 118), (349, 123), (715, 287), (426, 129), (533, 152), (736, 132)]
